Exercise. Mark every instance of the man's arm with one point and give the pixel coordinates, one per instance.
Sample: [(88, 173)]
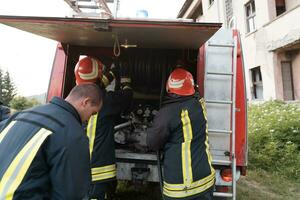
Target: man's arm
[(158, 133)]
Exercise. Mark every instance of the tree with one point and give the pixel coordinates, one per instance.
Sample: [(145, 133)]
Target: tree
[(22, 103), (8, 89)]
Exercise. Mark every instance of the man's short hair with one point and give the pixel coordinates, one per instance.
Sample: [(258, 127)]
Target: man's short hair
[(90, 90)]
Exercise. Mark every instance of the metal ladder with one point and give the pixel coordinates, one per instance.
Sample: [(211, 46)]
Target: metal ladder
[(90, 8), (232, 102)]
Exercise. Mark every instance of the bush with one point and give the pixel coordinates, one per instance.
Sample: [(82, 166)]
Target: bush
[(274, 138), (22, 103)]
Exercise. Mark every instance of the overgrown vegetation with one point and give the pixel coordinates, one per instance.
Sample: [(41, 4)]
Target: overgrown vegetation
[(274, 138)]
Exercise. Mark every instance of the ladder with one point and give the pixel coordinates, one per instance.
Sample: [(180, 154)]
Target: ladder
[(90, 8), (218, 70)]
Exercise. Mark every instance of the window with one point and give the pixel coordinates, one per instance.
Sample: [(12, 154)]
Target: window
[(280, 7), (229, 11), (257, 85), (250, 16), (287, 81), (211, 1)]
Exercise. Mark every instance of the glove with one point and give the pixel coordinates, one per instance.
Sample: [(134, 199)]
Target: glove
[(125, 76)]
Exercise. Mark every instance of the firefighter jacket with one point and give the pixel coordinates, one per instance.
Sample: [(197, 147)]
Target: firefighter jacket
[(100, 131), (180, 129), (44, 154)]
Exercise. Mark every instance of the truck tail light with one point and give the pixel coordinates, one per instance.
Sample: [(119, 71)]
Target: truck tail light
[(226, 175)]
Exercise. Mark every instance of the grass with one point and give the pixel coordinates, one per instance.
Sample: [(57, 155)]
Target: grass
[(257, 185), (262, 185)]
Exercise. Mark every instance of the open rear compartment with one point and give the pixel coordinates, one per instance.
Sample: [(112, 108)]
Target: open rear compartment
[(149, 71)]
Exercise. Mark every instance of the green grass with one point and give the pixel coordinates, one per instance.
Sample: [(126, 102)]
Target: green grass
[(262, 185)]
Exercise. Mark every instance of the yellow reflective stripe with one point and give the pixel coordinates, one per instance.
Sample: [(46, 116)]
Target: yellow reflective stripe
[(114, 77), (104, 169), (19, 166), (186, 148), (91, 132), (209, 158), (5, 131), (104, 176), (202, 102), (188, 192), (102, 173), (105, 81), (169, 186)]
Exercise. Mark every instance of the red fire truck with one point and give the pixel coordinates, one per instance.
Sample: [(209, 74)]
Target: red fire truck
[(152, 47)]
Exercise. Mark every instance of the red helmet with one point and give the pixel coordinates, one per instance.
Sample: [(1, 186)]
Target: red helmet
[(180, 82), (88, 70)]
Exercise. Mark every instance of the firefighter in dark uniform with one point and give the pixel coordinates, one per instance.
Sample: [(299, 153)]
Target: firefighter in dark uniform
[(180, 130), (100, 128), (44, 150), (4, 112)]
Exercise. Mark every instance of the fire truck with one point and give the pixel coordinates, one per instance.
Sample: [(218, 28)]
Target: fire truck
[(152, 47)]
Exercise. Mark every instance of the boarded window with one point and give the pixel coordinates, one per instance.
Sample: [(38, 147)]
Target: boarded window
[(287, 81), (257, 84)]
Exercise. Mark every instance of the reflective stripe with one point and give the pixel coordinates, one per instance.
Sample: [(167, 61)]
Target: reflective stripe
[(201, 182), (5, 131), (93, 74), (105, 81), (104, 176), (91, 132), (186, 148), (19, 166), (188, 191), (209, 158), (102, 173), (114, 77)]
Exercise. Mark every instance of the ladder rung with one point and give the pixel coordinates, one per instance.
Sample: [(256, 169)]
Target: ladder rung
[(218, 102), (220, 73), (219, 131), (221, 162), (220, 45), (88, 6), (85, 0), (222, 194)]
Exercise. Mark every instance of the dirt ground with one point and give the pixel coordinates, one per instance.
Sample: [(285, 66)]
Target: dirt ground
[(255, 186)]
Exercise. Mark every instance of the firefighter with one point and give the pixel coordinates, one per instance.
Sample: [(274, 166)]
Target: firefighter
[(4, 112), (44, 151), (180, 130), (100, 128)]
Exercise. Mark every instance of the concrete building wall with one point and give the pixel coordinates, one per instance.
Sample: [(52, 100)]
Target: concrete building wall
[(275, 40), (212, 12)]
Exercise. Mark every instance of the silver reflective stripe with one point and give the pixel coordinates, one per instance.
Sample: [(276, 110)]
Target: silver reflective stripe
[(19, 166), (5, 131)]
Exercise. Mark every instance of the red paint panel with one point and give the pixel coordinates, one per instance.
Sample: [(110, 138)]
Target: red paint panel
[(57, 75), (201, 70), (241, 106)]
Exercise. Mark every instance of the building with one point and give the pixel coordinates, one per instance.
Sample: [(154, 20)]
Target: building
[(270, 32)]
